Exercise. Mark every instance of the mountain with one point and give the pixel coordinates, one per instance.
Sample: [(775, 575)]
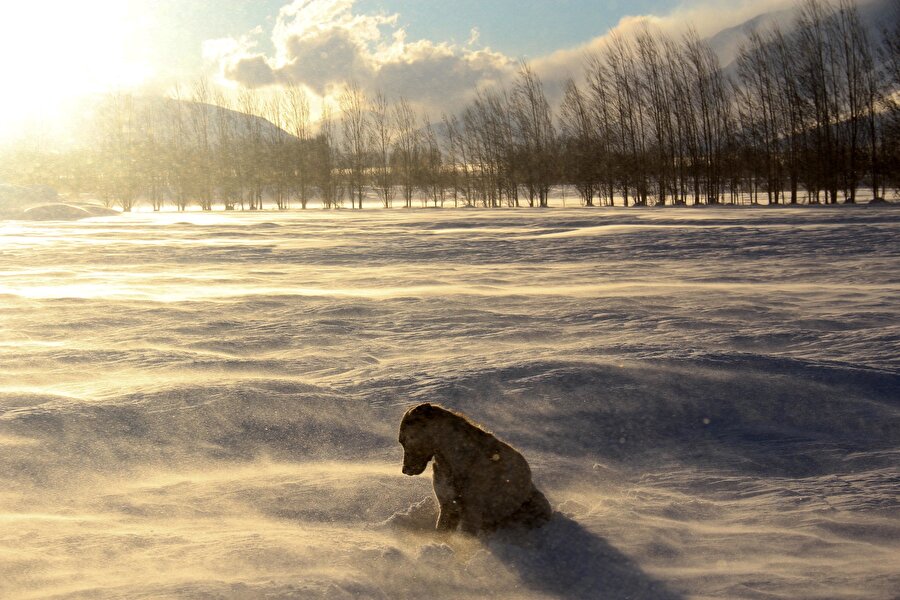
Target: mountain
[(727, 42), (90, 118), (875, 16), (167, 115)]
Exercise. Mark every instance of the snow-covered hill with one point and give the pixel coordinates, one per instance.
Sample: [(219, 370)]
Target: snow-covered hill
[(875, 15)]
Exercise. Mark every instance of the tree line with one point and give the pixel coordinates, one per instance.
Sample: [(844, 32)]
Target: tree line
[(807, 113)]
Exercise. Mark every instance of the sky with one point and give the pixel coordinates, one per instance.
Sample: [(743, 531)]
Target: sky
[(434, 52)]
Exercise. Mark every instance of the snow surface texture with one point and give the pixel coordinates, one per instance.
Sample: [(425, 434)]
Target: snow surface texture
[(206, 405)]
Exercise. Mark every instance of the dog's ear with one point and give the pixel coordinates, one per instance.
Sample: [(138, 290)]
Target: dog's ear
[(421, 413), (426, 410)]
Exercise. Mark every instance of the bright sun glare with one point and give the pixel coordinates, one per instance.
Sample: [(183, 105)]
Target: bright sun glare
[(57, 50)]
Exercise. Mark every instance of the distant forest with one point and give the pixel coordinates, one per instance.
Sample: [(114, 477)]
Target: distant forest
[(807, 113)]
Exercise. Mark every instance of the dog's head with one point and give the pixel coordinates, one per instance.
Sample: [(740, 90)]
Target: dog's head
[(416, 437)]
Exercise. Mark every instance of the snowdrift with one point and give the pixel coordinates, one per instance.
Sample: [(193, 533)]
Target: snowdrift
[(64, 212)]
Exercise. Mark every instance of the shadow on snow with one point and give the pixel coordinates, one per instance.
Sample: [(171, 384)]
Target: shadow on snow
[(566, 560)]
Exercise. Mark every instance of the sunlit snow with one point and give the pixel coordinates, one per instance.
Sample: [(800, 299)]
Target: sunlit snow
[(205, 405)]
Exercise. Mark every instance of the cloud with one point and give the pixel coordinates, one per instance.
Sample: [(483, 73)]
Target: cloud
[(324, 43)]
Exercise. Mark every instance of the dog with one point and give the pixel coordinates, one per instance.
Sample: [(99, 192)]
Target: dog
[(480, 482)]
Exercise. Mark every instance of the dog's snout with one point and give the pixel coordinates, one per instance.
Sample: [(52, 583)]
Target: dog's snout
[(414, 467)]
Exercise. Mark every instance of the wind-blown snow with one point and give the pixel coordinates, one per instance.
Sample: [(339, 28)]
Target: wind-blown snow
[(205, 405)]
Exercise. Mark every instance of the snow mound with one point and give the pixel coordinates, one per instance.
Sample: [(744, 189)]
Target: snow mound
[(420, 516), (65, 212)]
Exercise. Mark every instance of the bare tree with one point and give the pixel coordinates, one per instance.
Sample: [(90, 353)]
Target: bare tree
[(629, 112), (383, 131), (712, 112), (815, 51), (227, 152), (300, 125), (456, 164), (201, 155), (406, 148), (858, 96), (655, 87), (581, 146), (120, 147), (154, 158), (430, 171), (792, 106), (280, 150), (489, 131), (601, 101), (356, 129), (888, 94), (253, 151), (536, 135), (327, 161), (180, 151), (758, 93), (481, 146)]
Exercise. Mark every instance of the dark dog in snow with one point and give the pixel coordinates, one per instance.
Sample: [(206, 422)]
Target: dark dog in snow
[(481, 483)]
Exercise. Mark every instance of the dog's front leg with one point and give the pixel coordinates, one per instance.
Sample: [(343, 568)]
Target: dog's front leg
[(448, 520), (447, 498)]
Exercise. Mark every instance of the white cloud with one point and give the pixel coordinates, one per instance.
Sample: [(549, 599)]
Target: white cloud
[(323, 43), (474, 35)]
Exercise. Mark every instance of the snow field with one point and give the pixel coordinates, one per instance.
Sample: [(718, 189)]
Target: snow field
[(206, 406)]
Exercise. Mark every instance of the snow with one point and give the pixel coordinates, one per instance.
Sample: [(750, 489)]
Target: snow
[(65, 212), (205, 405), (56, 212)]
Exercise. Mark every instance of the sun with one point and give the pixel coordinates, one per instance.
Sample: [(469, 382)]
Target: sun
[(57, 50)]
